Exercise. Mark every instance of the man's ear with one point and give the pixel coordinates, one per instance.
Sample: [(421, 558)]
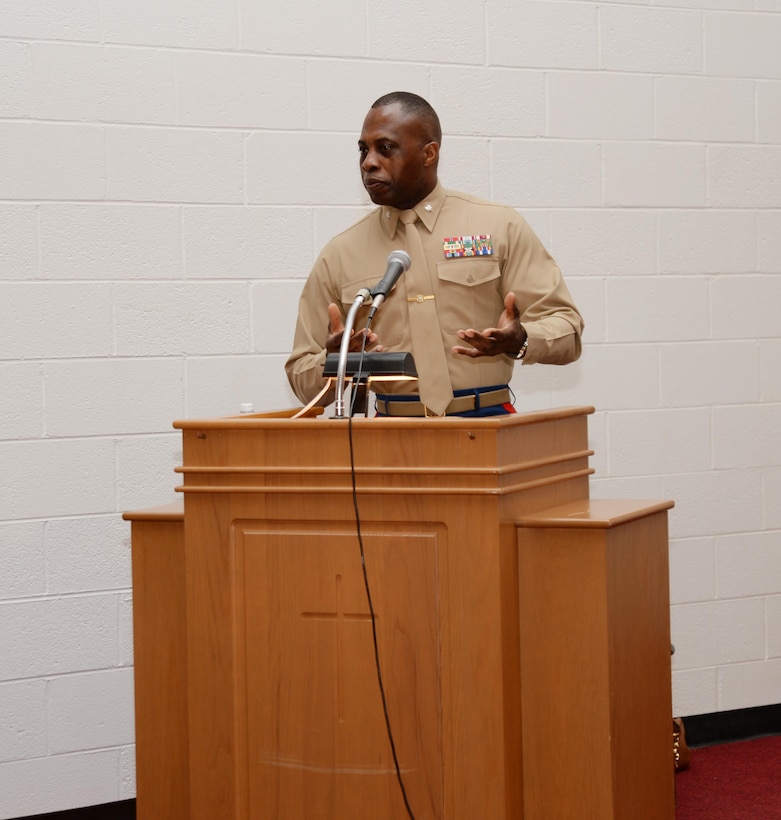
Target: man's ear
[(430, 154)]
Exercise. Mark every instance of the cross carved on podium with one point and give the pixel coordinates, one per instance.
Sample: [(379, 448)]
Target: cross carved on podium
[(339, 618)]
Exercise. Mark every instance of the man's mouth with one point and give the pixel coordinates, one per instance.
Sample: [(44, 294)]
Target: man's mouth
[(374, 184)]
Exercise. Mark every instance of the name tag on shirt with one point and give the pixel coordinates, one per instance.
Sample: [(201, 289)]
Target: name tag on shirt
[(457, 246)]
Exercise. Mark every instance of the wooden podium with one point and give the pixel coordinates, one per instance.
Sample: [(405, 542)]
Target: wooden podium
[(522, 629)]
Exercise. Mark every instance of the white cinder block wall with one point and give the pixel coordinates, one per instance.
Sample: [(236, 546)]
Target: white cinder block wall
[(168, 172)]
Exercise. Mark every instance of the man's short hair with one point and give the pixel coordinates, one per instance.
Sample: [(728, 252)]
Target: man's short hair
[(413, 104)]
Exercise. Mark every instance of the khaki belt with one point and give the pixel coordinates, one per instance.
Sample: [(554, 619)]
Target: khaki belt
[(460, 404)]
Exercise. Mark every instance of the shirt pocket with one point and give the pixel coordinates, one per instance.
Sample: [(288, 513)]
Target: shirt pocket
[(469, 293)]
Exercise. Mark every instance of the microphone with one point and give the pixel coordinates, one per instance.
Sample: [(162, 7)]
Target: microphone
[(398, 263)]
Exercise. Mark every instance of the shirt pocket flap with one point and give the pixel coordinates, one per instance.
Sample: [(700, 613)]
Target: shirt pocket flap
[(468, 272)]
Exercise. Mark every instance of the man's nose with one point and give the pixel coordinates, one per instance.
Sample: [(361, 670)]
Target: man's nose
[(369, 161)]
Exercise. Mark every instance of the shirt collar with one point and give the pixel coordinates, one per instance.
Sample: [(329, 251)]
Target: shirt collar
[(427, 210)]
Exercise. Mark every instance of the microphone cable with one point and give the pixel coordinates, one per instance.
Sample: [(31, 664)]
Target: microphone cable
[(377, 664)]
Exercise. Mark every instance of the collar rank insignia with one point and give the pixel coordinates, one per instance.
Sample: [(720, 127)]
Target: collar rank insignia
[(458, 246)]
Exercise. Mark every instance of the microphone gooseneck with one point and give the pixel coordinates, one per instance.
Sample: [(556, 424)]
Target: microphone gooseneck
[(361, 298)]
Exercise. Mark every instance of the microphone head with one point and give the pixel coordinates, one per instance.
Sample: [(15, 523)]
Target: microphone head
[(402, 257)]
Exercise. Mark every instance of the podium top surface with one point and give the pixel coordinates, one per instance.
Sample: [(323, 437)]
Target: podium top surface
[(595, 513), (173, 512), (283, 420)]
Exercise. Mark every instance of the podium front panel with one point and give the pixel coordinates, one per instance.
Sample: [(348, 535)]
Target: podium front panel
[(315, 723)]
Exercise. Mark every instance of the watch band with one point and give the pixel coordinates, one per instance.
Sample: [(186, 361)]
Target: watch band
[(522, 352)]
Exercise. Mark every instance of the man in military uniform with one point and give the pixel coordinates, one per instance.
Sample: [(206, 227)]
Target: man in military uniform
[(482, 292)]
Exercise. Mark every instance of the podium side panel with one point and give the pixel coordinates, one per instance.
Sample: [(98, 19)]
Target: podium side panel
[(641, 688), (160, 670), (595, 665)]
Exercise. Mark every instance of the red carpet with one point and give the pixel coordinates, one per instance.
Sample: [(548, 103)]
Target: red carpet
[(732, 781)]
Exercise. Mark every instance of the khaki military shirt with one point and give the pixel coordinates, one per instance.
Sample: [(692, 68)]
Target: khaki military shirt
[(469, 291)]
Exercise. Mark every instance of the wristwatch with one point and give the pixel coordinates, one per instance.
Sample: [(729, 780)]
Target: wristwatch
[(522, 352)]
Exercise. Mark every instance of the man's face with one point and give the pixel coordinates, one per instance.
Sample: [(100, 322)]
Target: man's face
[(398, 165)]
